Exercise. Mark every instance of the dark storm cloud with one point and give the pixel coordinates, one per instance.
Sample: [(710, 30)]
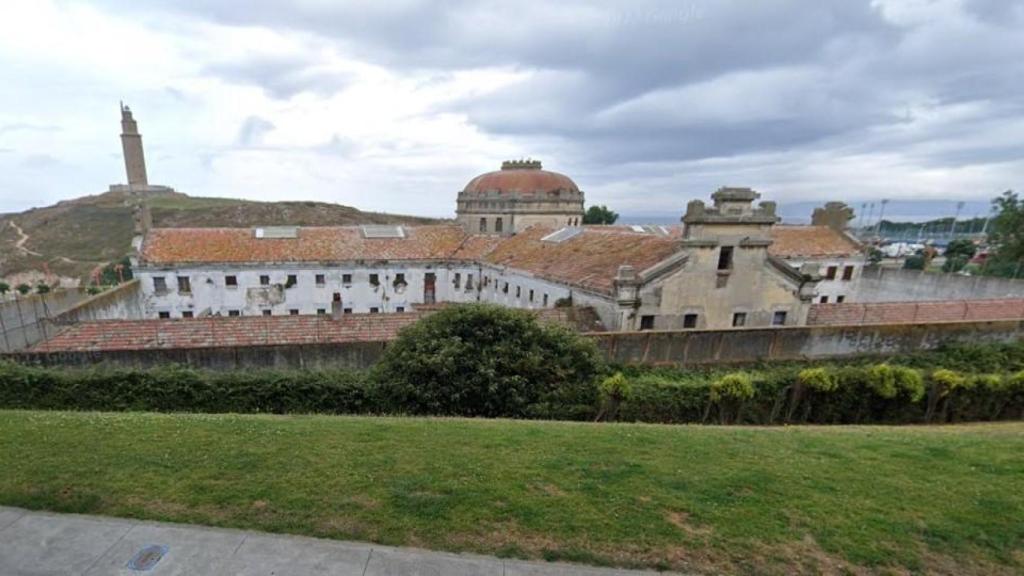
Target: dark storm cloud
[(676, 81)]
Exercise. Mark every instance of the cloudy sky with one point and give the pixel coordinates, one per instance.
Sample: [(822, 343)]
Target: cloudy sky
[(395, 105)]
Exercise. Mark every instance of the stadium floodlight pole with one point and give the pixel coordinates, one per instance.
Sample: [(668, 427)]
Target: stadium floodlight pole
[(952, 227), (881, 213)]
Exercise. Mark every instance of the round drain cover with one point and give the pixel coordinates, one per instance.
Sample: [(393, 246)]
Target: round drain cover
[(145, 559)]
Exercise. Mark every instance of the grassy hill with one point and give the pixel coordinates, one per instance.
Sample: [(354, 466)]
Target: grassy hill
[(71, 238), (699, 499)]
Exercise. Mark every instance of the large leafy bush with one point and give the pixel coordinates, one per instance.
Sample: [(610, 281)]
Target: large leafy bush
[(484, 360)]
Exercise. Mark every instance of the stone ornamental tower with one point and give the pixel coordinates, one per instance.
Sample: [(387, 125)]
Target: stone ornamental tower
[(131, 142)]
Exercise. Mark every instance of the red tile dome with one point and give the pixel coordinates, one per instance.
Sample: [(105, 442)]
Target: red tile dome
[(522, 178)]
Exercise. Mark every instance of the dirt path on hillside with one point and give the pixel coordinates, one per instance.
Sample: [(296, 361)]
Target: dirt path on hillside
[(22, 239)]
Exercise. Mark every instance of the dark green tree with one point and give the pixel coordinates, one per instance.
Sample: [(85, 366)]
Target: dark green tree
[(958, 253), (485, 360), (23, 289), (1007, 236), (600, 215), (915, 262)]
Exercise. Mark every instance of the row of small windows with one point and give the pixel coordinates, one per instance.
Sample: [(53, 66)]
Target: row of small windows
[(839, 299), (499, 225), (268, 312), (504, 287), (739, 319), (832, 271), (231, 281)]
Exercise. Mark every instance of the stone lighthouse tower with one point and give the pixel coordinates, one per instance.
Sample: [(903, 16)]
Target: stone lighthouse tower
[(131, 142)]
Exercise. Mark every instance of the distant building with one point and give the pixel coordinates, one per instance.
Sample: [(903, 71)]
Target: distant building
[(518, 242), (518, 196), (636, 278), (836, 256)]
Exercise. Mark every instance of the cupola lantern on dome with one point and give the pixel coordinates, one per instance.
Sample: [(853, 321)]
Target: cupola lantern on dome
[(520, 195)]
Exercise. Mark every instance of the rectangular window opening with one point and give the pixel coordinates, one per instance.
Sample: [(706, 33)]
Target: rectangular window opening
[(779, 318), (231, 281), (689, 320), (848, 273), (234, 313), (739, 319), (264, 280), (725, 258), (321, 279), (830, 273), (647, 322)]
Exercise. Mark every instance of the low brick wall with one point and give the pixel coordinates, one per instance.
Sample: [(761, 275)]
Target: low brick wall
[(846, 314), (669, 348)]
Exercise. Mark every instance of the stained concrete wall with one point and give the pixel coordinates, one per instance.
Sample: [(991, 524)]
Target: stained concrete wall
[(897, 285), (695, 347), (668, 348), (22, 320), (27, 321)]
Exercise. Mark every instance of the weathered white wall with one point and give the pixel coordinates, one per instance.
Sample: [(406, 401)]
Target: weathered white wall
[(210, 294), (832, 289)]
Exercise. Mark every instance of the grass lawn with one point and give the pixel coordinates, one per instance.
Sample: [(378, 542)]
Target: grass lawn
[(706, 499)]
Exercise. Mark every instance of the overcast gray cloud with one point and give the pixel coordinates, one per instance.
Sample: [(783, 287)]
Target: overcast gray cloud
[(394, 105)]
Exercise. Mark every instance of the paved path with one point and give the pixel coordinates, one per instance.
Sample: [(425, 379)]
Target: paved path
[(45, 544)]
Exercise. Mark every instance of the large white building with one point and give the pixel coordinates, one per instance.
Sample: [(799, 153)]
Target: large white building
[(518, 241), (715, 272)]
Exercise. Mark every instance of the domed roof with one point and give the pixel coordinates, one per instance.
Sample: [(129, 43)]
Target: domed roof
[(521, 177)]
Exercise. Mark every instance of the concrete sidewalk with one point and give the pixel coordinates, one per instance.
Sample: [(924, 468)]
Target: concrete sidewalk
[(45, 544)]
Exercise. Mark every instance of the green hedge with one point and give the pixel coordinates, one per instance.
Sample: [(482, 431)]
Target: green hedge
[(965, 383), (179, 389)]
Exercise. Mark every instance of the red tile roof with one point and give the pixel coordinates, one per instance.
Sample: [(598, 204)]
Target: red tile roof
[(313, 244), (214, 332), (589, 260), (224, 332), (522, 182), (848, 313), (810, 242)]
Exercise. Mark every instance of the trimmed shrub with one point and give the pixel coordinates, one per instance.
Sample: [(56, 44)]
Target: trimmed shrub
[(817, 379), (614, 390), (736, 386), (728, 394), (881, 379), (910, 382), (486, 360)]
